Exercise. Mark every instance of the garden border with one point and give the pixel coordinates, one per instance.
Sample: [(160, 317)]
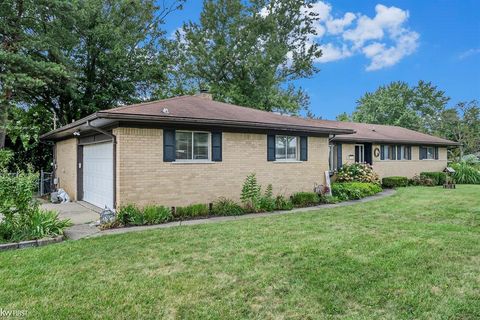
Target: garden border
[(85, 231), (30, 243)]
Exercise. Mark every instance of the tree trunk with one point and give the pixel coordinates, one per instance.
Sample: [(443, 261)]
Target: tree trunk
[(4, 117)]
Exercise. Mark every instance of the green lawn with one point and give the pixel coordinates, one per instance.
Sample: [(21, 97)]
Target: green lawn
[(413, 255)]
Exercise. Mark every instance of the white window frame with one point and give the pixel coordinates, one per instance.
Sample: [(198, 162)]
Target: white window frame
[(362, 154), (331, 158), (297, 149), (193, 145)]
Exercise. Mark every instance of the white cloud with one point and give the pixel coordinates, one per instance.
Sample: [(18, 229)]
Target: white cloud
[(468, 53), (333, 53), (336, 26), (383, 39)]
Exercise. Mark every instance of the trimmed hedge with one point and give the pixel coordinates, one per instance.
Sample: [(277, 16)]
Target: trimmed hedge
[(394, 182), (354, 190), (305, 199), (438, 178)]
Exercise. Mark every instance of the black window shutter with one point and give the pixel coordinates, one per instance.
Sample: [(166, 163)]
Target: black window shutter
[(303, 148), (409, 148), (271, 147), (217, 146), (339, 156), (168, 145), (436, 153), (382, 152), (399, 152)]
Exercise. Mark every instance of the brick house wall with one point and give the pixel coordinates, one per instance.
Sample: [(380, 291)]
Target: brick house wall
[(143, 177), (405, 168), (66, 170)]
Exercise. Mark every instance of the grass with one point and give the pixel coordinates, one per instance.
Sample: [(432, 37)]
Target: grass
[(414, 255)]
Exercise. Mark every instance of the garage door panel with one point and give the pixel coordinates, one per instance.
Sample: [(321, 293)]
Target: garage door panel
[(98, 174)]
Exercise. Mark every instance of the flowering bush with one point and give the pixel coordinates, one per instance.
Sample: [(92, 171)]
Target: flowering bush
[(357, 172)]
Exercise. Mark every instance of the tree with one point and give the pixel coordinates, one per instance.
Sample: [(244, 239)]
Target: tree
[(462, 123), (23, 68), (344, 117), (249, 53), (67, 59), (417, 108)]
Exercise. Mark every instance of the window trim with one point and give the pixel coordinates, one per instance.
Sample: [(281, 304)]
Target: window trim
[(426, 152), (297, 149), (209, 151)]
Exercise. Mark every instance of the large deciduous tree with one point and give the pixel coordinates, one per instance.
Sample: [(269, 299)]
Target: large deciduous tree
[(248, 53), (418, 107), (70, 58)]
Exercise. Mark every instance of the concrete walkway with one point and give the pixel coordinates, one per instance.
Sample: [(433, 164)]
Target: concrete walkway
[(80, 231), (78, 212)]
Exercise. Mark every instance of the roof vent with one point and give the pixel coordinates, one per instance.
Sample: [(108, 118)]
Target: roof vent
[(165, 111)]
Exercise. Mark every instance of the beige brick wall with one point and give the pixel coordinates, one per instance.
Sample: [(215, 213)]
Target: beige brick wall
[(143, 177), (66, 171), (406, 168), (409, 168)]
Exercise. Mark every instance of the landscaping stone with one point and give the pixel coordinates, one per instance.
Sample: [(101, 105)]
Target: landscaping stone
[(45, 241), (27, 244), (8, 246)]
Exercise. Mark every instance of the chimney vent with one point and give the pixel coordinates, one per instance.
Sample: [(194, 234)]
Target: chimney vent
[(204, 94)]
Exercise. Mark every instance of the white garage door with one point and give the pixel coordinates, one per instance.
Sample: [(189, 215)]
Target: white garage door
[(98, 174)]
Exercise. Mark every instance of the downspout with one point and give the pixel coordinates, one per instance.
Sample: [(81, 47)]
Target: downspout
[(114, 141)]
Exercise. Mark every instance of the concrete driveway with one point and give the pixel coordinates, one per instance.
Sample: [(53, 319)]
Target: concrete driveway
[(78, 212)]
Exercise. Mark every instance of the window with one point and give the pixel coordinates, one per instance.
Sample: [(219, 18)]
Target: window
[(405, 152), (359, 153), (395, 152), (191, 145), (427, 153), (332, 158), (286, 148)]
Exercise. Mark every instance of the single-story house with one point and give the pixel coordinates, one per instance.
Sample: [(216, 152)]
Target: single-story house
[(191, 149)]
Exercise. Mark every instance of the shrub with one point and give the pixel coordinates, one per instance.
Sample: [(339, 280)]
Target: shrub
[(155, 214), (438, 178), (471, 160), (327, 199), (267, 202), (22, 218), (282, 203), (421, 181), (226, 207), (465, 174), (6, 157), (129, 215), (354, 190), (394, 182), (191, 211), (251, 193), (305, 199), (359, 172)]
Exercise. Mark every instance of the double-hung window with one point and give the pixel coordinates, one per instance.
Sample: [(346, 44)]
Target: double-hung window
[(286, 148), (192, 145), (427, 153), (395, 152)]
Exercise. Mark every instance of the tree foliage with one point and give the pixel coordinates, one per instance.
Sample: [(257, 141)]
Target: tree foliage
[(249, 53), (423, 108), (67, 59), (416, 107)]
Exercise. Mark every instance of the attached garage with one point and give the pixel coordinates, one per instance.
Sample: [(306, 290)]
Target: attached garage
[(97, 167)]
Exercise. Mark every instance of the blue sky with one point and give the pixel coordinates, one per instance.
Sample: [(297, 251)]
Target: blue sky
[(371, 43)]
